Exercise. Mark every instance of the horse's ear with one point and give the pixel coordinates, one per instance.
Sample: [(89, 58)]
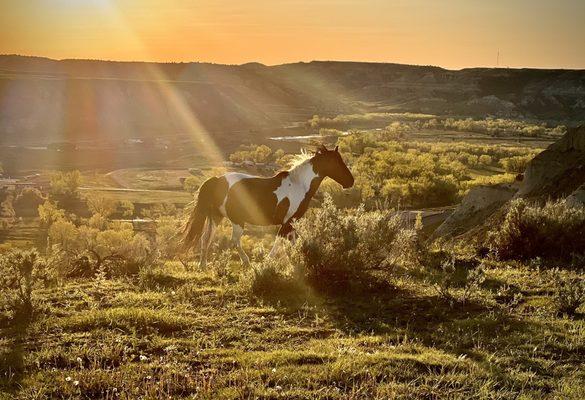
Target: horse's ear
[(337, 149), (321, 148)]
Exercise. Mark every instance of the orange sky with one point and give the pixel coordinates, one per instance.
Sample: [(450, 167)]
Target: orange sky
[(449, 33)]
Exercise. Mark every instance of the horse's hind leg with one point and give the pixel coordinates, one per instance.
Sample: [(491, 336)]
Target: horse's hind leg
[(206, 241), (237, 232)]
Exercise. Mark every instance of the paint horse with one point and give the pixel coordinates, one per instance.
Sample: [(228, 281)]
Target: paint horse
[(247, 199)]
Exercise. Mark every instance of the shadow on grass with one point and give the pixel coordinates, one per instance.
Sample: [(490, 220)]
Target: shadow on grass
[(369, 304), (379, 307), (12, 356)]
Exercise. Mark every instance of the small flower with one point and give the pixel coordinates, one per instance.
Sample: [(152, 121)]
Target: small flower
[(148, 377), (68, 379), (278, 387), (114, 390), (76, 383), (273, 370), (143, 358), (172, 293)]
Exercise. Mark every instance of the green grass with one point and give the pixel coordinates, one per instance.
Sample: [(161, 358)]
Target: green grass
[(192, 334)]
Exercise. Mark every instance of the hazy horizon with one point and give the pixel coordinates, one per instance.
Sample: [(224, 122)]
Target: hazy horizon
[(453, 35)]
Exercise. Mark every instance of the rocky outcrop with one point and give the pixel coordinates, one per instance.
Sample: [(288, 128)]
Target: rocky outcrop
[(480, 203), (559, 170)]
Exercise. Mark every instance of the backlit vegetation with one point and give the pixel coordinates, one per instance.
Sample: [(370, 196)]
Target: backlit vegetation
[(408, 121), (361, 309), (361, 306)]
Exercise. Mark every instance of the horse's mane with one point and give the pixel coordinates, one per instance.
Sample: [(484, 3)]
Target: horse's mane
[(300, 159), (297, 162)]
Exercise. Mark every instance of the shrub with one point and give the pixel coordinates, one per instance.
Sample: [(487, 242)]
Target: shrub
[(167, 236), (65, 184), (98, 204), (337, 248), (20, 271), (569, 293), (49, 213), (157, 210), (191, 184), (253, 153), (28, 201), (127, 208), (7, 213), (516, 164), (86, 250), (274, 280), (554, 230), (457, 273)]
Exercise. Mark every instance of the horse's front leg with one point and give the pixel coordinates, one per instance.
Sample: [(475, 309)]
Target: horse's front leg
[(237, 232), (285, 231)]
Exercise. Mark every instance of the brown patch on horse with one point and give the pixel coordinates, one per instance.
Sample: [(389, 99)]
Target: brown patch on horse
[(252, 200), (281, 210), (210, 197)]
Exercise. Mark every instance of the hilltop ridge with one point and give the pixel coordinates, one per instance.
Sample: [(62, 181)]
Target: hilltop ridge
[(47, 100)]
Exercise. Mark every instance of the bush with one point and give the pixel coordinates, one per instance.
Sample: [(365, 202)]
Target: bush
[(516, 164), (28, 201), (98, 204), (49, 213), (167, 236), (85, 250), (553, 231), (569, 293), (458, 273), (20, 271), (127, 208), (157, 210), (65, 184), (274, 280), (338, 249), (191, 184)]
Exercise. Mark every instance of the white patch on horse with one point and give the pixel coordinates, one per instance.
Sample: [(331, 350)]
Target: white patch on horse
[(231, 178), (295, 187), (234, 177)]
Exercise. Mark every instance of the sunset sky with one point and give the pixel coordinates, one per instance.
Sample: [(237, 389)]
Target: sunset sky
[(449, 33)]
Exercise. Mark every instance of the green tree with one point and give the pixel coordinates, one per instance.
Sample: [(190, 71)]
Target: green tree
[(49, 213), (65, 184), (98, 204)]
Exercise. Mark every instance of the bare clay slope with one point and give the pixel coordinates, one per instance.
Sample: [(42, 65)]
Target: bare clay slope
[(556, 173)]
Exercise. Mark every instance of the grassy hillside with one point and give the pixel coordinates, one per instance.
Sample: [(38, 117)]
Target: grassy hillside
[(200, 334)]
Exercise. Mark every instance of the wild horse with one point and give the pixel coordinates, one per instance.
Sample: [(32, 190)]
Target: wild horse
[(247, 199)]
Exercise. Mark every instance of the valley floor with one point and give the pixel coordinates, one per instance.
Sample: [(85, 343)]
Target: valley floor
[(173, 333)]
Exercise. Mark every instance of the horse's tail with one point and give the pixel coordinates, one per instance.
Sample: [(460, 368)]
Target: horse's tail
[(201, 212)]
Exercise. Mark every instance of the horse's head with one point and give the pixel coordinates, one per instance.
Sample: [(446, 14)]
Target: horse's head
[(329, 163)]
